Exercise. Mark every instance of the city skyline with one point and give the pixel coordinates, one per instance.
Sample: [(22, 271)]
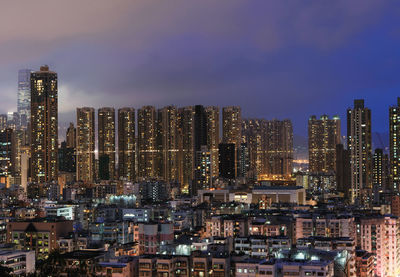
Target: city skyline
[(200, 138), (258, 64)]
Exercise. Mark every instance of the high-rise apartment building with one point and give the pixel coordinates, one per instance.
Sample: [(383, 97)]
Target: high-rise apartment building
[(126, 144), (243, 158), (232, 129), (323, 136), (3, 121), (6, 154), (66, 158), (186, 132), (24, 156), (106, 136), (203, 178), (71, 136), (147, 143), (227, 167), (200, 127), (200, 140), (394, 130), (232, 125), (44, 125), (360, 147), (24, 97), (343, 170), (85, 144), (168, 142), (380, 170), (279, 148), (212, 113), (254, 135), (20, 140)]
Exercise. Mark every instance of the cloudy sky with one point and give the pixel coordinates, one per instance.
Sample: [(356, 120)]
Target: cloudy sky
[(276, 59)]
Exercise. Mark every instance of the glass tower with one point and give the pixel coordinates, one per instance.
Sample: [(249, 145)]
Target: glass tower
[(24, 96)]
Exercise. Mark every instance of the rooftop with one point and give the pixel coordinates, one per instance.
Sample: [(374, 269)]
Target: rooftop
[(278, 188)]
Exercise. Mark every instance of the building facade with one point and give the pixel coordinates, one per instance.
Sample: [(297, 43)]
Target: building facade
[(71, 136), (254, 135), (24, 97), (147, 143), (44, 125), (6, 154), (232, 129), (227, 166), (168, 142), (213, 139), (380, 170), (106, 136), (394, 144), (38, 235), (323, 136), (380, 235), (126, 144), (186, 146), (360, 146), (279, 148), (85, 141)]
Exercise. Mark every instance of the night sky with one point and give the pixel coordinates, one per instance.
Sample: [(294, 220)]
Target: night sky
[(276, 59)]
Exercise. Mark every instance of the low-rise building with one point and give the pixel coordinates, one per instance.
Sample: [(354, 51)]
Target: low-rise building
[(121, 267), (39, 235), (365, 264), (20, 262), (152, 236)]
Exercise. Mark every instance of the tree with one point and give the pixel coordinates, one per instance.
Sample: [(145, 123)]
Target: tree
[(53, 265), (5, 271)]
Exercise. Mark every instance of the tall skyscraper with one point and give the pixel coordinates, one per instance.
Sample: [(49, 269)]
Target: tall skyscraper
[(380, 170), (254, 135), (66, 158), (232, 129), (227, 160), (394, 130), (126, 144), (44, 125), (24, 97), (85, 144), (244, 162), (203, 179), (323, 136), (168, 142), (147, 143), (13, 120), (3, 121), (200, 141), (200, 127), (232, 125), (279, 148), (360, 147), (186, 132), (343, 170), (71, 136), (6, 154), (212, 113), (19, 144), (24, 155), (106, 136)]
